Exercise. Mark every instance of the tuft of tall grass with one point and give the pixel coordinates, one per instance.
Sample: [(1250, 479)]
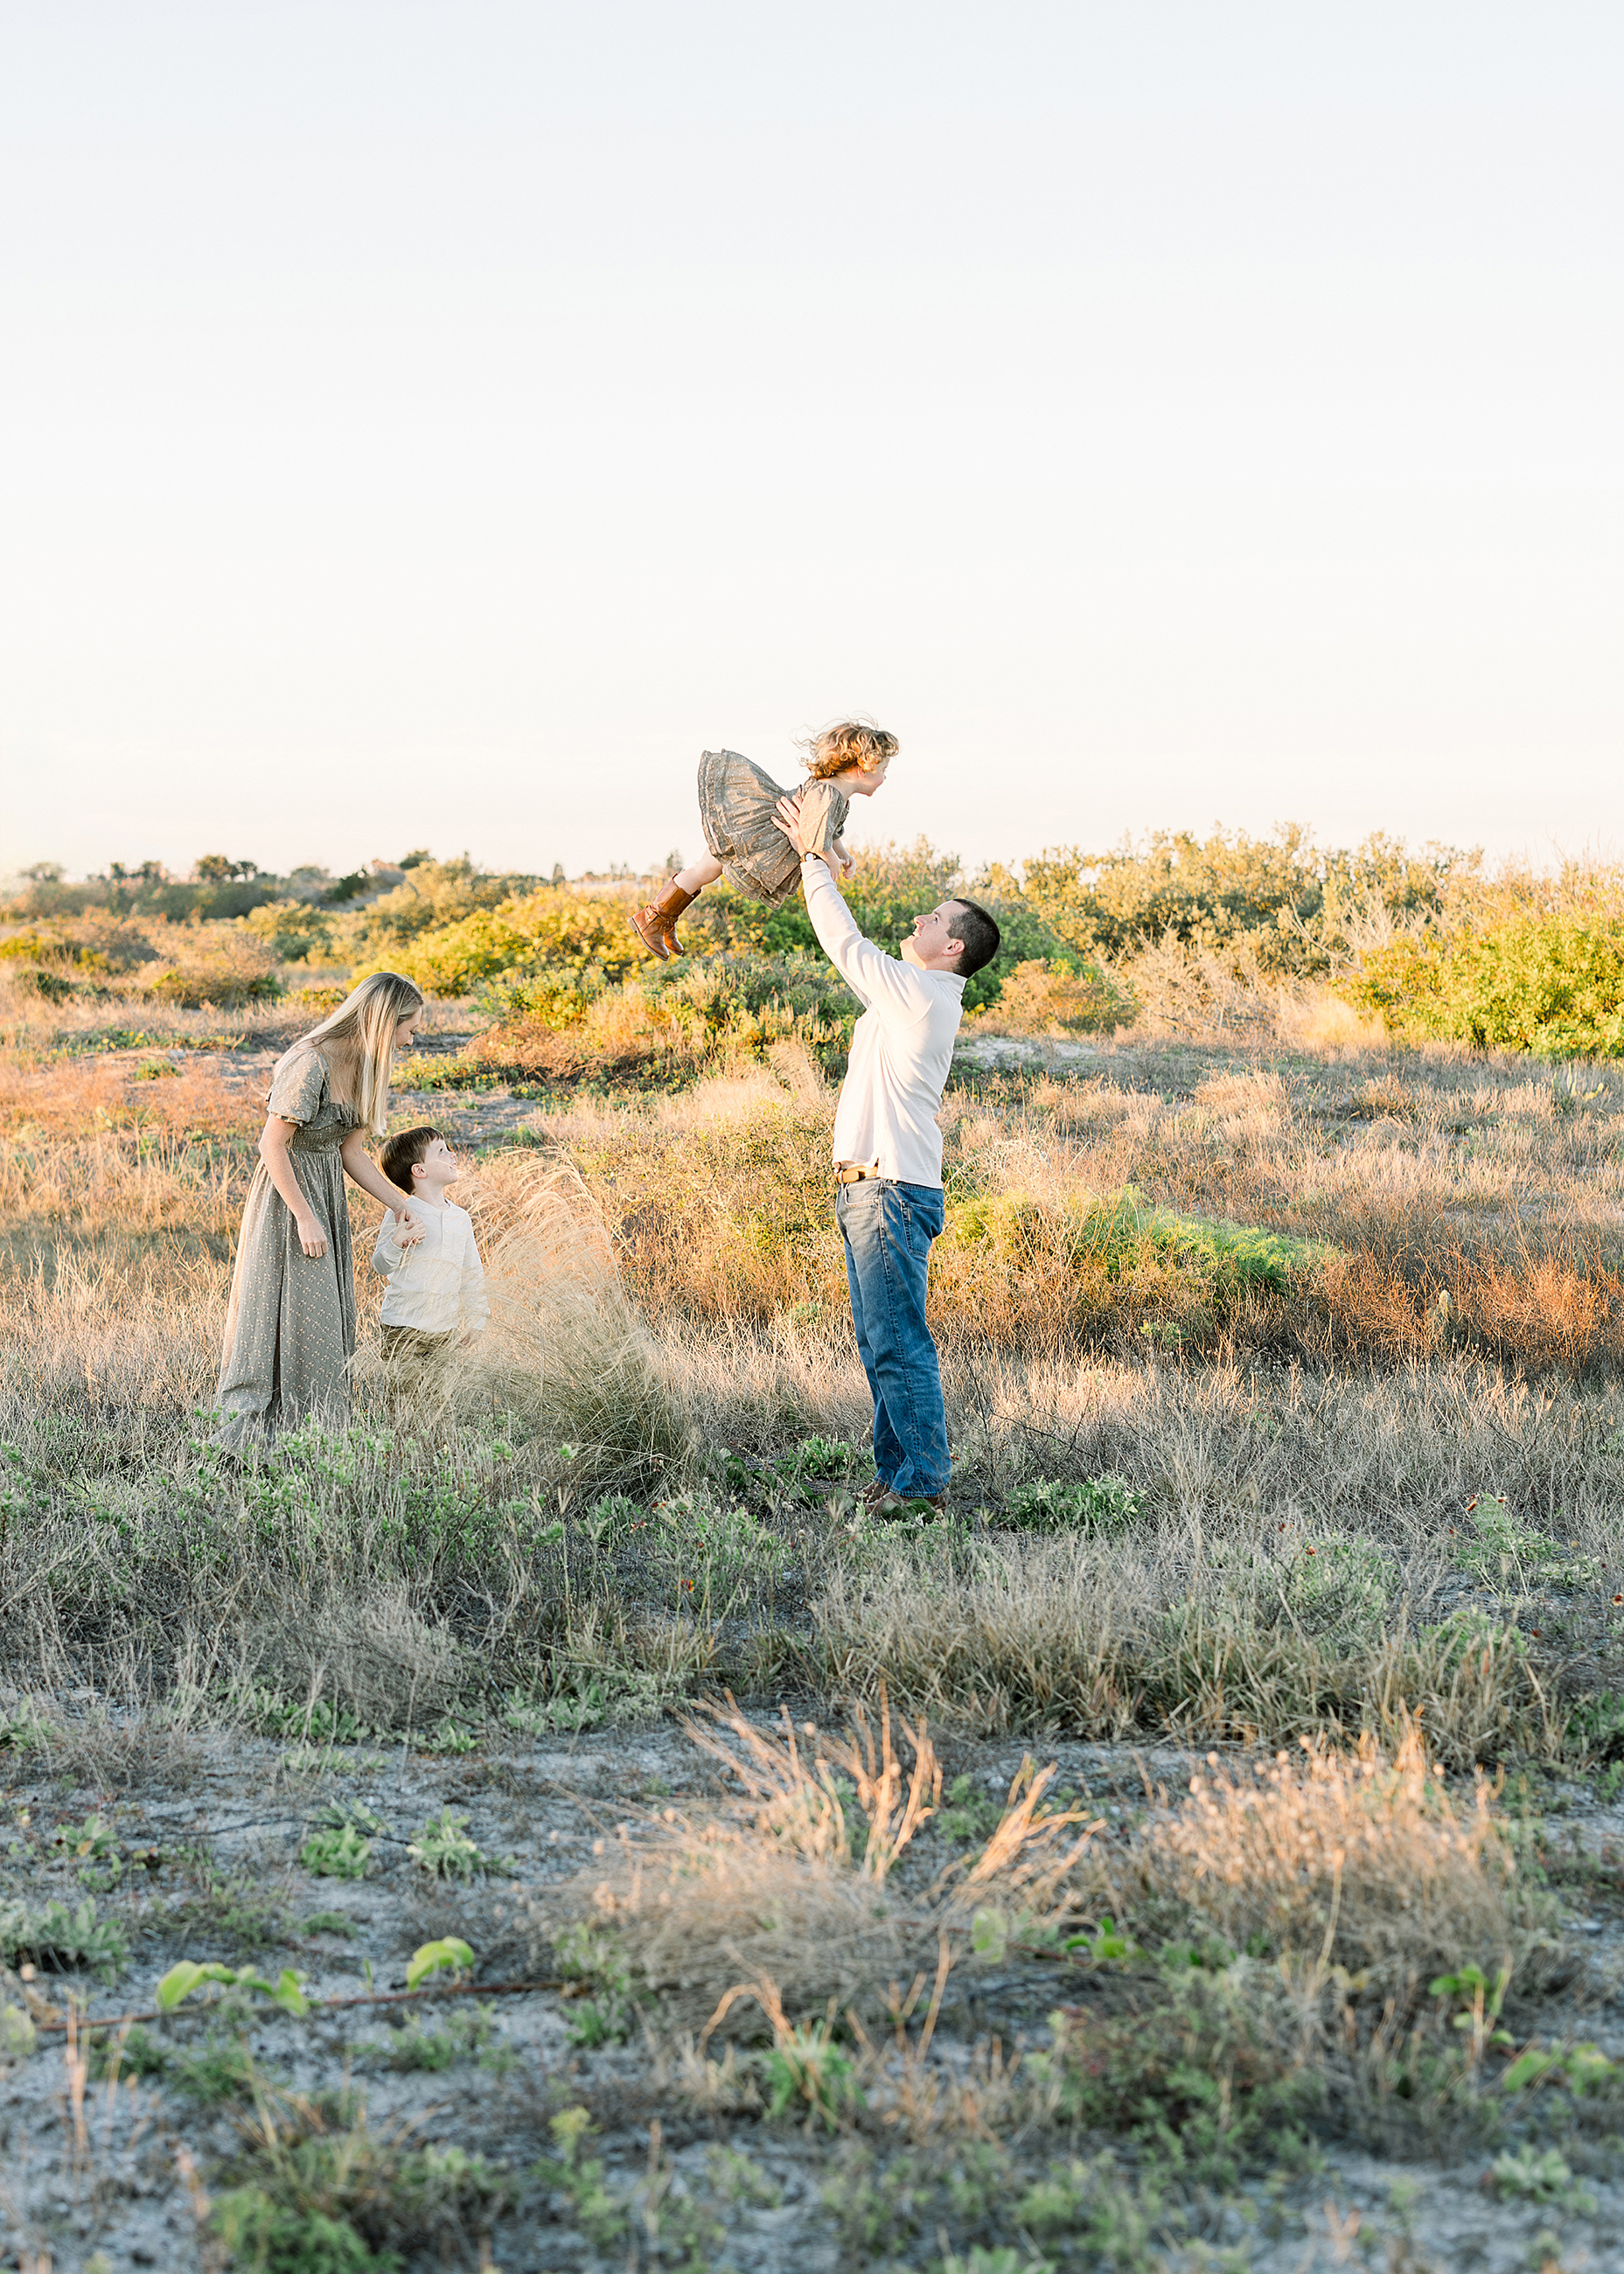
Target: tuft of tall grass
[(1102, 1638), (1359, 1859), (795, 1884), (566, 1358)]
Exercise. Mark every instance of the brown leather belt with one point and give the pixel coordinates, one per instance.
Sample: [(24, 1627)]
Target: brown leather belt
[(853, 1172)]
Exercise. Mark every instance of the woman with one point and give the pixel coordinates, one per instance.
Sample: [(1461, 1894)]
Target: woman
[(291, 1327)]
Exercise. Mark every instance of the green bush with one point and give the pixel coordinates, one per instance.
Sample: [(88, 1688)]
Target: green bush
[(1551, 984), (295, 932), (1204, 2078), (549, 931), (1282, 893), (889, 888), (1121, 1231)]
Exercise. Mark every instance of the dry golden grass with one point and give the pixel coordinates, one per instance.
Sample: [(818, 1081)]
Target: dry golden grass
[(565, 1354), (1361, 1860), (778, 1889), (1467, 1207), (1102, 1638), (681, 1292)]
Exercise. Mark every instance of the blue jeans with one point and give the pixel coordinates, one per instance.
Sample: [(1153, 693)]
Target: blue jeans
[(888, 1229)]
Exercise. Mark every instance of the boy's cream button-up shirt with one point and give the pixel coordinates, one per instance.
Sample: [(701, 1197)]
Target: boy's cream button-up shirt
[(438, 1285)]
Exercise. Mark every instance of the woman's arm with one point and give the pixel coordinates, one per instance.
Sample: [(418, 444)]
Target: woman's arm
[(279, 1164), (361, 1170)]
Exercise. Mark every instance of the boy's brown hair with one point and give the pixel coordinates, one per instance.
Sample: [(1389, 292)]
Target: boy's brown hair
[(401, 1156), (853, 742)]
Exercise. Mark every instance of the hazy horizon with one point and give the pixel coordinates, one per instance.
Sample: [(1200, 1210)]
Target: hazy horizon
[(437, 426)]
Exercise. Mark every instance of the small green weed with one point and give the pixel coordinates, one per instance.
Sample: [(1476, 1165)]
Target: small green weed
[(413, 2045), (581, 2178), (875, 2205), (60, 1938), (968, 1812), (1529, 2174), (316, 2192), (587, 1954), (20, 1727), (1595, 1727), (339, 1843), (330, 1923), (450, 1954), (186, 1978), (1480, 2001), (444, 1850), (806, 2066), (339, 1851), (1337, 1587), (738, 2179), (1195, 2078), (1105, 1504), (131, 2051), (1105, 1946), (316, 1722), (223, 2069), (1505, 1550), (449, 1737), (587, 1699)]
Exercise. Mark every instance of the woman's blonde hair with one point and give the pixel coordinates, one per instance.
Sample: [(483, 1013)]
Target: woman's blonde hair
[(357, 1041), (853, 742)]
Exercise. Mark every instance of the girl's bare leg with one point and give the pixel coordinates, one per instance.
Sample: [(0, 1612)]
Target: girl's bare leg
[(697, 875)]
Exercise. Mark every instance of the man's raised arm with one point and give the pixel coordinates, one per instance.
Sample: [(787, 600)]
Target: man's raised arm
[(876, 979)]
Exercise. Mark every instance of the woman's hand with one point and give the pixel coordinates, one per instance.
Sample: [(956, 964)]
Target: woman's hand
[(408, 1229), (313, 1239)]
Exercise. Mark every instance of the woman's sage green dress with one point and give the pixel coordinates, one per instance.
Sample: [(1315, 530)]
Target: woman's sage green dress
[(291, 1329)]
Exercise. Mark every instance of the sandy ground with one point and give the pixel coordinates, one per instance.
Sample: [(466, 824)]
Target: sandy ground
[(238, 1809)]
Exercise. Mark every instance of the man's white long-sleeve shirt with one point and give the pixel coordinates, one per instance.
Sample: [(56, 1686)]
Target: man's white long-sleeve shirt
[(902, 1048), (438, 1284)]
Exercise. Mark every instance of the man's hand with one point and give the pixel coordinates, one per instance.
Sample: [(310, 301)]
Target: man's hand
[(805, 836)]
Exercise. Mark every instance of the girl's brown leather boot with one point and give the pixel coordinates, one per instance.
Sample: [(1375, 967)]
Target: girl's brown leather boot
[(656, 926)]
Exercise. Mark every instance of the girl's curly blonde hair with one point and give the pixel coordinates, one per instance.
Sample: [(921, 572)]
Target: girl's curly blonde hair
[(853, 742)]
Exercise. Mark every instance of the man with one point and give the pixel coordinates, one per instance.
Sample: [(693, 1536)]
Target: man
[(888, 1160)]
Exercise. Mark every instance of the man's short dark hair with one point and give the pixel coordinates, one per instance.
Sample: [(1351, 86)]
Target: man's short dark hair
[(401, 1156), (980, 934)]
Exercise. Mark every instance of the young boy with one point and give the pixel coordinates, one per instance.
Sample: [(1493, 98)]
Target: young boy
[(436, 1280)]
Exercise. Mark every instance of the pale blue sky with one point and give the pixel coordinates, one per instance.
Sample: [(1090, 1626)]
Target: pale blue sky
[(437, 423)]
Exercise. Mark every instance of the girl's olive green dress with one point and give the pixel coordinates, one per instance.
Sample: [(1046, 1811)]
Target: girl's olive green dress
[(738, 811), (290, 1329)]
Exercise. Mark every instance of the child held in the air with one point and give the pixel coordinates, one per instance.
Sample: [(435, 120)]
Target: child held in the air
[(738, 806), (436, 1280)]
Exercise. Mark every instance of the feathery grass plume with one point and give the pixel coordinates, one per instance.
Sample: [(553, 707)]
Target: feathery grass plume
[(565, 1351), (1362, 1860), (793, 1885)]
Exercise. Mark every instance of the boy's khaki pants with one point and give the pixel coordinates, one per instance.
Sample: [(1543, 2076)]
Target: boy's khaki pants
[(410, 1356)]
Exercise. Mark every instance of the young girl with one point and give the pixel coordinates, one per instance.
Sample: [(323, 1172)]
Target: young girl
[(738, 806), (291, 1327)]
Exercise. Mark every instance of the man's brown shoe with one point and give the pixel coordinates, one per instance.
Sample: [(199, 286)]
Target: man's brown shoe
[(656, 926), (898, 1508)]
